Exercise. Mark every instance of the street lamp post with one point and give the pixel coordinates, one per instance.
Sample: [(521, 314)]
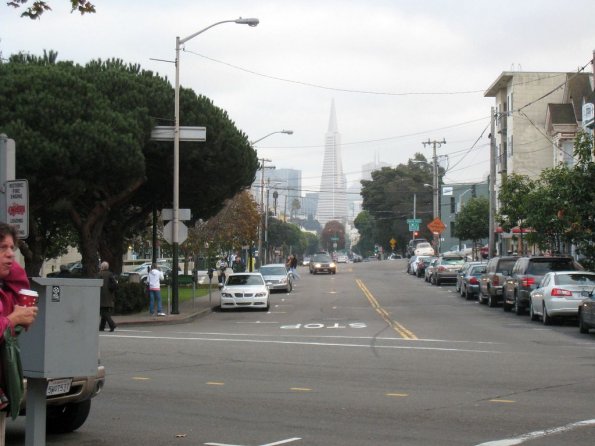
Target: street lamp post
[(176, 198), (435, 184), (262, 166)]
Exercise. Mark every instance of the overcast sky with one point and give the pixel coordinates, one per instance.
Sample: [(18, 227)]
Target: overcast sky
[(400, 72)]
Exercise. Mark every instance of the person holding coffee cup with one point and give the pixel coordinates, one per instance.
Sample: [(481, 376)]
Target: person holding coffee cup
[(13, 279)]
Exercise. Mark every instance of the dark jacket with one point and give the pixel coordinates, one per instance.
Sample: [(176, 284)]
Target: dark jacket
[(107, 289)]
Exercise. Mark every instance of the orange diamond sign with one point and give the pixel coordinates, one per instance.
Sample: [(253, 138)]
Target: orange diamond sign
[(436, 226)]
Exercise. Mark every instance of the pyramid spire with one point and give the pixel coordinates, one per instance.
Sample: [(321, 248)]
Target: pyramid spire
[(332, 122)]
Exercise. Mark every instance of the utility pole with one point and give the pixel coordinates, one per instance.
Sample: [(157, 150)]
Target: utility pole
[(435, 184), (261, 224), (492, 185)]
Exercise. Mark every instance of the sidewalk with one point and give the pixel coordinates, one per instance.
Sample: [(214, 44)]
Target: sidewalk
[(188, 311)]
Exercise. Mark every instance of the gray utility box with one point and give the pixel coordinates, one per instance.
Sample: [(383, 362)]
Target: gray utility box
[(64, 340)]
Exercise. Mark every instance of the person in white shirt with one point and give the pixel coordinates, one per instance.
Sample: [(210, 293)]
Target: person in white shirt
[(155, 278)]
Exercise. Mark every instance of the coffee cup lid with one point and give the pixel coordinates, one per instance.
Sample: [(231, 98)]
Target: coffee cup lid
[(29, 293)]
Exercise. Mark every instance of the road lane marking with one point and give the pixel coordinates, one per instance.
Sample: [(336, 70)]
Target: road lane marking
[(215, 383), (315, 344), (397, 394), (276, 443), (140, 378), (400, 329), (538, 434), (501, 401), (301, 389)]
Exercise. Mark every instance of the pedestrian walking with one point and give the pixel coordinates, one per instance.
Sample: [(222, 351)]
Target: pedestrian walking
[(238, 266), (222, 267), (155, 277), (13, 278), (293, 267), (107, 297)]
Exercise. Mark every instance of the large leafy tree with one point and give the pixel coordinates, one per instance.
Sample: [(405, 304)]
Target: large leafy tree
[(473, 222), (333, 232), (365, 225), (389, 197), (83, 138)]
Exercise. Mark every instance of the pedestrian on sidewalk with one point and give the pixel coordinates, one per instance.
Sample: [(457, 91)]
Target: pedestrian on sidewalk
[(155, 278), (222, 267), (107, 297), (13, 278)]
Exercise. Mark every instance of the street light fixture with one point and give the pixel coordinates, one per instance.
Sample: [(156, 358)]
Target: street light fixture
[(287, 132), (176, 198)]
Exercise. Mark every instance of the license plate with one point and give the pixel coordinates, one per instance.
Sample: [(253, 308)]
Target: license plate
[(58, 386)]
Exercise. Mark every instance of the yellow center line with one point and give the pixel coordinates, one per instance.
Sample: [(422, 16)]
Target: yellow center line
[(301, 389), (502, 401), (397, 394), (140, 378), (400, 329)]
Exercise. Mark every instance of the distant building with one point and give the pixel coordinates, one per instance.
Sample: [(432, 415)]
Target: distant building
[(332, 200), (368, 168)]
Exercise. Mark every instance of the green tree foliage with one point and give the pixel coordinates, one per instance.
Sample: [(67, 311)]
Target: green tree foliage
[(38, 7), (285, 236), (388, 198), (365, 225), (83, 142), (559, 206), (473, 222)]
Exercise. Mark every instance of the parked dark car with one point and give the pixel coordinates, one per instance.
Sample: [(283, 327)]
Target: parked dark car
[(422, 264), (526, 276), (586, 313), (491, 284), (446, 269), (468, 279)]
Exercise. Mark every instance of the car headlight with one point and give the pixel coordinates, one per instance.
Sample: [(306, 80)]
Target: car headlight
[(226, 294), (260, 294), (332, 265)]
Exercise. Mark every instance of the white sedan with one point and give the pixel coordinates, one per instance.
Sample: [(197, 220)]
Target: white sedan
[(559, 295), (245, 290), (423, 249)]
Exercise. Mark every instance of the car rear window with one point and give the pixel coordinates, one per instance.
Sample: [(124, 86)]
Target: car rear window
[(542, 266), (505, 265), (452, 261), (478, 269), (576, 279)]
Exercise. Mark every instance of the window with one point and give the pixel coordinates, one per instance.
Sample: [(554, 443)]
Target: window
[(452, 205)]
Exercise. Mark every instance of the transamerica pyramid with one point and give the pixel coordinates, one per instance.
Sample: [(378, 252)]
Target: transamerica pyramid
[(332, 199)]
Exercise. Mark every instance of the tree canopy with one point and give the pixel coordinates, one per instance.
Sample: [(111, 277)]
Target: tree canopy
[(83, 142), (38, 7)]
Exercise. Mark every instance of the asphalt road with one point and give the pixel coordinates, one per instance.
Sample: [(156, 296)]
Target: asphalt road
[(369, 356)]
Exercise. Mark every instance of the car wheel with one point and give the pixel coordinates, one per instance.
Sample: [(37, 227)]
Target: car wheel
[(506, 306), (518, 310), (67, 418), (582, 327), (546, 318), (532, 314), (464, 292), (481, 298), (491, 301)]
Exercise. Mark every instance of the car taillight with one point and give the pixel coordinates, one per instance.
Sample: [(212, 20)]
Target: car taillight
[(473, 281), (559, 292), (527, 281), (496, 280)]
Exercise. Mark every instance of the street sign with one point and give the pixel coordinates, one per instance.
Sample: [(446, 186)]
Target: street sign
[(168, 214), (187, 133), (436, 226), (17, 206), (393, 243), (414, 220), (413, 227), (168, 232)]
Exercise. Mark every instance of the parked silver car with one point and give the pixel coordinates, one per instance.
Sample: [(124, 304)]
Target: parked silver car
[(277, 277), (559, 295)]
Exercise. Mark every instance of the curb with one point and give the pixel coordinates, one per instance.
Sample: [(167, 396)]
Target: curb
[(161, 320)]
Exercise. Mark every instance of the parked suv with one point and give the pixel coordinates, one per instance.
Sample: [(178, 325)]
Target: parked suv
[(491, 284), (526, 276)]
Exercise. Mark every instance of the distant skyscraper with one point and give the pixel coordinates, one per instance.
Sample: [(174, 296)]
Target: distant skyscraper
[(332, 200)]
